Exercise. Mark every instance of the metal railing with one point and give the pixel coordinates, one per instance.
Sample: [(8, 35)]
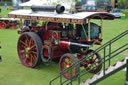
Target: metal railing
[(113, 72), (107, 56)]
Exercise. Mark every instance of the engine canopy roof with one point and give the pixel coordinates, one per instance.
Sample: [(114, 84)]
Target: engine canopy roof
[(78, 18)]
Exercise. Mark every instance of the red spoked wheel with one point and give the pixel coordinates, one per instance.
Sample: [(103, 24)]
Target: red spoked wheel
[(3, 25), (93, 63), (29, 48), (65, 62)]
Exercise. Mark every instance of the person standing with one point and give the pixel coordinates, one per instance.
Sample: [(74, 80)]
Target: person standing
[(5, 5)]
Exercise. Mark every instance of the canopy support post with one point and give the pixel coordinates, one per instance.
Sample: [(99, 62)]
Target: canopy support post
[(101, 27), (89, 30), (21, 23)]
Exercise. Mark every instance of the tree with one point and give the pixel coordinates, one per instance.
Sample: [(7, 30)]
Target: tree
[(123, 3)]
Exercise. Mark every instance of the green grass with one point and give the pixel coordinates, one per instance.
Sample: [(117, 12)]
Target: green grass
[(4, 12), (12, 72)]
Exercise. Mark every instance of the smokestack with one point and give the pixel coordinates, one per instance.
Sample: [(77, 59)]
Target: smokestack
[(59, 9)]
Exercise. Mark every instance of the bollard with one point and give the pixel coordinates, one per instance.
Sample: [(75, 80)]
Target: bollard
[(123, 16)]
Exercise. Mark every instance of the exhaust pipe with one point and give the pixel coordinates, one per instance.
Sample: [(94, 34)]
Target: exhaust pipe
[(59, 9)]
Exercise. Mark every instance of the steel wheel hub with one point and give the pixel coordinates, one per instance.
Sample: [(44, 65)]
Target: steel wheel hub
[(27, 50)]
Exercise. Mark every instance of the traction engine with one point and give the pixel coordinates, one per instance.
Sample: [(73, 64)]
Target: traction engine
[(58, 41), (8, 22)]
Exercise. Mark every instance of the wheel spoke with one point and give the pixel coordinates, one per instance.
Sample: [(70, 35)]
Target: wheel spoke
[(95, 58), (33, 49), (25, 59), (27, 38), (34, 58), (70, 61), (30, 42), (31, 60), (90, 66), (23, 46), (67, 61), (34, 52), (87, 61), (22, 51), (65, 65), (32, 46), (22, 43), (92, 57), (26, 43)]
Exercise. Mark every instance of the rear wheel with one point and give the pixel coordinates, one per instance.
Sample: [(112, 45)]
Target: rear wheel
[(94, 62), (29, 48), (65, 62)]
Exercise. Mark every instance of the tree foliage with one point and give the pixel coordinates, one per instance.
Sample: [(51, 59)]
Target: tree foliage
[(123, 3)]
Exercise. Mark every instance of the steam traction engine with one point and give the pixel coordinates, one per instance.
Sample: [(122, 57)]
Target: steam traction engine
[(8, 22), (61, 37)]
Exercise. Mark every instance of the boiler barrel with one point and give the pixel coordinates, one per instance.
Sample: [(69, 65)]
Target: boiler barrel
[(73, 46), (58, 8)]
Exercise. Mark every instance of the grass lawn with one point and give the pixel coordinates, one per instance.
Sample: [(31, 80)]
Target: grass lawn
[(12, 72)]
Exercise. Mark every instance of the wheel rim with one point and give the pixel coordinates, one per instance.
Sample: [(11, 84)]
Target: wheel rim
[(3, 25), (93, 63), (66, 62), (27, 50)]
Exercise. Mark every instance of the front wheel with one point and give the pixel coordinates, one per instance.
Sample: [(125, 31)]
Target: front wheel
[(65, 62), (94, 62), (29, 48), (3, 25)]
